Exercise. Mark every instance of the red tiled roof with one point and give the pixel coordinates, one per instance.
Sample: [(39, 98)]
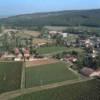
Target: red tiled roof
[(86, 71)]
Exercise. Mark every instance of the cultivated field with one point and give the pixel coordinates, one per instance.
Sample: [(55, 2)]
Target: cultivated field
[(37, 62), (38, 41), (24, 32), (48, 73), (82, 28), (87, 90), (10, 76), (31, 33)]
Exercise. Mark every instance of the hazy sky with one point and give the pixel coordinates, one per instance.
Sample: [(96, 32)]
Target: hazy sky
[(11, 7)]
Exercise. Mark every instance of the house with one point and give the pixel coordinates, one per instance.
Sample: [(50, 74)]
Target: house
[(88, 43), (16, 51), (64, 35), (89, 72), (52, 33), (70, 58), (96, 73), (7, 56), (86, 71), (17, 59), (26, 53)]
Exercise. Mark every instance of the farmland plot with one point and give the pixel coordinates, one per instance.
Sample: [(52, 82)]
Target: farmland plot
[(10, 76), (87, 90), (47, 74)]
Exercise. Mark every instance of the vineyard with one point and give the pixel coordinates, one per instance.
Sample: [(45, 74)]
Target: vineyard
[(10, 76), (87, 90), (49, 73)]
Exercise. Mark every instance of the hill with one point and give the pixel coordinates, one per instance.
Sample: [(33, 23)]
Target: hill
[(60, 18)]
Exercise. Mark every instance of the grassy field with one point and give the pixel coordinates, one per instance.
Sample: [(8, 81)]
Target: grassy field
[(56, 49), (47, 74), (10, 76), (88, 90)]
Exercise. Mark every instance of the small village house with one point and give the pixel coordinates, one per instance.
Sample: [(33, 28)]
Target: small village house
[(86, 71)]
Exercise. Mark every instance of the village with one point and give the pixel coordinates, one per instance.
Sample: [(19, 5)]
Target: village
[(75, 49), (50, 50)]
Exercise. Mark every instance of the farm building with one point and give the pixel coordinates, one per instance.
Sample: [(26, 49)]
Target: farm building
[(90, 72), (86, 71), (53, 32), (96, 73), (7, 56), (64, 35), (88, 43), (16, 51), (70, 58)]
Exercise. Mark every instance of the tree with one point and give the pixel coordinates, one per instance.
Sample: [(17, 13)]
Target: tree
[(75, 53), (59, 40), (0, 30), (31, 45), (80, 63), (98, 60), (21, 51), (5, 42)]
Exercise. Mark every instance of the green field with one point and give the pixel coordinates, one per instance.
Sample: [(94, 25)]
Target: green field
[(10, 76), (87, 90), (56, 49), (46, 74)]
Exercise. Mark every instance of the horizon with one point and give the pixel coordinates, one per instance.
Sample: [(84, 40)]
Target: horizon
[(17, 7), (6, 16)]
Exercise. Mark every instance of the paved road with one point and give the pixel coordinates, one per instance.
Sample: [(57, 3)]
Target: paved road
[(13, 94)]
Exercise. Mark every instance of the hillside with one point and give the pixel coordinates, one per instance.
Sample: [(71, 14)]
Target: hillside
[(61, 18)]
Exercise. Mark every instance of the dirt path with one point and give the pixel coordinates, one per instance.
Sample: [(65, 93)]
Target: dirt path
[(13, 94)]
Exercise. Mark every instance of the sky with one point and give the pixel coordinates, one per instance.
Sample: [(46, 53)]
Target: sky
[(15, 7)]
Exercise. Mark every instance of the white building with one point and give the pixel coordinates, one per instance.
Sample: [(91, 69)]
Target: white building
[(64, 35)]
